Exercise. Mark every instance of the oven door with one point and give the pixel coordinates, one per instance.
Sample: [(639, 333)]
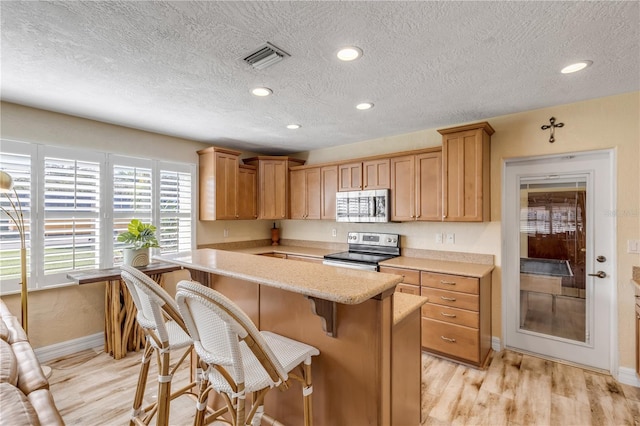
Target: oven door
[(351, 265)]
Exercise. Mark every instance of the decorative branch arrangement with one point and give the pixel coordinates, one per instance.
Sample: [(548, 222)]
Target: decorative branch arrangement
[(552, 126)]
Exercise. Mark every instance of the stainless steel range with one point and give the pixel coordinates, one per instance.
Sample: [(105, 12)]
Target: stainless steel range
[(366, 250)]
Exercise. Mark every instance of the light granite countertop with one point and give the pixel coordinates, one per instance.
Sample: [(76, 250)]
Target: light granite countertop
[(341, 285), (293, 250), (404, 304), (475, 270)]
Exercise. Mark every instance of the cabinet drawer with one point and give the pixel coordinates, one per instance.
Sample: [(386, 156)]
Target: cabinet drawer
[(409, 276), (451, 298), (451, 339), (450, 282), (451, 315), (408, 288)]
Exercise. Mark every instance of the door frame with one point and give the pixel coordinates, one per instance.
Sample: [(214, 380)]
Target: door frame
[(506, 269)]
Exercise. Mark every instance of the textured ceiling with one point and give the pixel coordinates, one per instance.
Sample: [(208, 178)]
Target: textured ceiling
[(175, 67)]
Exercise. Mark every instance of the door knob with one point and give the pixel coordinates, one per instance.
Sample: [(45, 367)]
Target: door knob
[(599, 274)]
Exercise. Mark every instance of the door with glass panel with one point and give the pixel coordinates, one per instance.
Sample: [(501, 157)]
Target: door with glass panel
[(558, 250)]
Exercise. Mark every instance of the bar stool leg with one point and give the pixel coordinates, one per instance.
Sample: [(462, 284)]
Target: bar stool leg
[(142, 382), (307, 391), (164, 390)]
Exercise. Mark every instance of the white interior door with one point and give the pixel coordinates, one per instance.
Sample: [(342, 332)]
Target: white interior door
[(558, 257)]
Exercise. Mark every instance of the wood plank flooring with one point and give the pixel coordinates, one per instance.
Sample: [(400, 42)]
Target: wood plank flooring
[(91, 388)]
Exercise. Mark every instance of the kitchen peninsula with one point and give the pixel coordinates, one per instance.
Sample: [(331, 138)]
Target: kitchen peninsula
[(348, 315)]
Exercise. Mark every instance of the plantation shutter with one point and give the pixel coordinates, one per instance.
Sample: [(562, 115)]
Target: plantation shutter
[(132, 197), (176, 213), (18, 165), (71, 238)]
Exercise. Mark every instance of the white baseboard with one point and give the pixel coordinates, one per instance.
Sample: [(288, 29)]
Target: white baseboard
[(496, 345), (628, 376), (58, 350)]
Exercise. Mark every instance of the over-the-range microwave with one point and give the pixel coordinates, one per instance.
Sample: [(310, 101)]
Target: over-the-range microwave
[(363, 206)]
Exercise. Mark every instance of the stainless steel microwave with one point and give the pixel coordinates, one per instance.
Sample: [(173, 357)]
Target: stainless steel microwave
[(363, 206)]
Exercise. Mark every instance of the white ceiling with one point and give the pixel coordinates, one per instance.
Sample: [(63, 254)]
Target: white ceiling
[(176, 67)]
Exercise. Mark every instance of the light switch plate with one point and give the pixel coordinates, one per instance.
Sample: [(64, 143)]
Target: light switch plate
[(451, 238), (226, 233), (439, 237), (334, 232), (633, 246)]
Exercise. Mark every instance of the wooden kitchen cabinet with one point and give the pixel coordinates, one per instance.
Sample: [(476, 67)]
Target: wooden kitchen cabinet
[(365, 175), (466, 171), (456, 321), (637, 330), (305, 193), (416, 187), (218, 175), (375, 174), (350, 177), (273, 185), (328, 189), (410, 279), (247, 192)]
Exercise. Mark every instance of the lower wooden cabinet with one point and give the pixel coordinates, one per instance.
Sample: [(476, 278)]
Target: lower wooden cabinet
[(410, 279), (638, 332), (456, 322)]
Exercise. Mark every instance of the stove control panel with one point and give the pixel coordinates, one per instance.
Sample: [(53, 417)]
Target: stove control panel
[(374, 239)]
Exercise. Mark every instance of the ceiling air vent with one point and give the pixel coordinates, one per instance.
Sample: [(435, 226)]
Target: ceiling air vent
[(265, 56)]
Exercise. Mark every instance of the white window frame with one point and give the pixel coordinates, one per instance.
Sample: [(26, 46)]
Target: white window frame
[(35, 218)]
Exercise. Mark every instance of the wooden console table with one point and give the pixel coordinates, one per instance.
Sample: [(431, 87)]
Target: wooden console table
[(121, 331)]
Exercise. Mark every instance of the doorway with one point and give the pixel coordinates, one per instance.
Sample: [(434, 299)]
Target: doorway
[(558, 257)]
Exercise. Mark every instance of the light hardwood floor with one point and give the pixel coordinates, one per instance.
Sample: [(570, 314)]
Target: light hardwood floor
[(91, 388)]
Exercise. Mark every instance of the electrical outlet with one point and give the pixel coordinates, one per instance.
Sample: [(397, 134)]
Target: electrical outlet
[(451, 238), (633, 246), (334, 232), (439, 237), (226, 233)]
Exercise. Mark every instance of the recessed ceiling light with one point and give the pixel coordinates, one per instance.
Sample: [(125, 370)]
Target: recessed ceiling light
[(262, 91), (293, 126), (349, 53), (364, 105), (575, 67)]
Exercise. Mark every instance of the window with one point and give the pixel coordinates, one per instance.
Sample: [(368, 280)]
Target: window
[(84, 200), (71, 238)]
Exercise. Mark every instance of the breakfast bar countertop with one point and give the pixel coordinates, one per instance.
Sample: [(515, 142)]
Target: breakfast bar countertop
[(339, 285)]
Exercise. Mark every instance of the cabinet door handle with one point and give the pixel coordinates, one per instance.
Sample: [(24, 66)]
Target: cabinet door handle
[(447, 282), (448, 339), (444, 314), (448, 299)]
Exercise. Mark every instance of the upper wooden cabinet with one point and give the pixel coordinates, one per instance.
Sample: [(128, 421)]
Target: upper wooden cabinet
[(466, 171), (375, 174), (416, 187), (218, 174), (247, 192), (350, 177), (328, 189), (364, 175), (273, 185), (305, 193)]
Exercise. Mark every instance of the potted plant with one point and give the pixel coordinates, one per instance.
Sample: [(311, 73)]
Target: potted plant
[(140, 237)]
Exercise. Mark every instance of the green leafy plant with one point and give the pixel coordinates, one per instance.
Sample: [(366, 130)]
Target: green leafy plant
[(139, 235)]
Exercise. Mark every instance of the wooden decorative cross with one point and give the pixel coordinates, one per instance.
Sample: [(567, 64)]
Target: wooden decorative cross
[(552, 126)]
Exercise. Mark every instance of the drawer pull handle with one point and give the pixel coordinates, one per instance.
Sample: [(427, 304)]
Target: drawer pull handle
[(448, 339), (448, 299), (444, 314), (447, 282)]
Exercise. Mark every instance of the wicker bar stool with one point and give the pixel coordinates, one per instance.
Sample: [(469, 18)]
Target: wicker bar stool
[(237, 359), (165, 332)]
